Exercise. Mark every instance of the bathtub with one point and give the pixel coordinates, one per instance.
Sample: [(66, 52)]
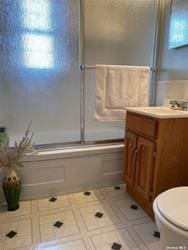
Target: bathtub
[(58, 171)]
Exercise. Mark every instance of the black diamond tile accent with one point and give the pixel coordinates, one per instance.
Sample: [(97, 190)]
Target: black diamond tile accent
[(156, 234), (117, 187), (11, 234), (135, 207), (116, 246), (53, 199), (87, 193), (99, 215), (58, 224)]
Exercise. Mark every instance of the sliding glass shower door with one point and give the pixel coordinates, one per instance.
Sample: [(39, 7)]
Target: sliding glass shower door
[(118, 32), (40, 77), (39, 69)]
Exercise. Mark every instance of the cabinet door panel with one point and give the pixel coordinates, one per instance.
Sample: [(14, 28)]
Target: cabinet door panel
[(130, 146), (144, 167)]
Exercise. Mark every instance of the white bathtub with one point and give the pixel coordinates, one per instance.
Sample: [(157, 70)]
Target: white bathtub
[(59, 171)]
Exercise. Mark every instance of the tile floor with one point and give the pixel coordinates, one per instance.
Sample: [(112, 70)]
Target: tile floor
[(93, 220)]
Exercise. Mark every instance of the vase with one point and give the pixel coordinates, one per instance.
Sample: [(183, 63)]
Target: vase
[(11, 188)]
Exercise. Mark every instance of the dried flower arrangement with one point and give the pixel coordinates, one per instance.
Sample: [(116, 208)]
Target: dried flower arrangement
[(10, 160), (11, 157)]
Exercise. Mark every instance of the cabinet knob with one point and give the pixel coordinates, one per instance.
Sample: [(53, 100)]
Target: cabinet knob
[(135, 154)]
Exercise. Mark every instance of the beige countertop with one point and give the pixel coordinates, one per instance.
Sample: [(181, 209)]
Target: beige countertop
[(159, 112)]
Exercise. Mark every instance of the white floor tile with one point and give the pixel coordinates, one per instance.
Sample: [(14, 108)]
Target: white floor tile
[(23, 238), (105, 241), (145, 232), (130, 214), (81, 198), (81, 229), (112, 192), (25, 209), (92, 222), (27, 248), (47, 205), (74, 245), (49, 232)]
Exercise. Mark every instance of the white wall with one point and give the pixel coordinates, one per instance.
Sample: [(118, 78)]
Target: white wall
[(172, 89)]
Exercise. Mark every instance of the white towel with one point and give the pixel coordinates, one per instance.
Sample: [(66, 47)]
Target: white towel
[(118, 87)]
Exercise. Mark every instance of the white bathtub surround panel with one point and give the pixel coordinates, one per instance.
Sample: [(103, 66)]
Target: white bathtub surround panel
[(71, 152), (118, 87), (174, 89), (56, 172)]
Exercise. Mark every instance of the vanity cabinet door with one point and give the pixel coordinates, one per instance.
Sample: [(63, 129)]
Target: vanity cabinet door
[(130, 160), (144, 168)]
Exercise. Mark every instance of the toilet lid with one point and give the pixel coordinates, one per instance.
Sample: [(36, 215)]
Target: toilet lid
[(173, 205)]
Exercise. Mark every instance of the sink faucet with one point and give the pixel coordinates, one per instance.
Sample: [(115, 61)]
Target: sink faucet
[(179, 105)]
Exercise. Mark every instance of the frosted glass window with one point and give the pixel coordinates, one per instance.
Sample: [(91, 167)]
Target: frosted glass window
[(36, 14), (38, 51), (178, 31)]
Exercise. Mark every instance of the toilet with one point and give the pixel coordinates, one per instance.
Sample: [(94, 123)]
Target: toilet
[(171, 216)]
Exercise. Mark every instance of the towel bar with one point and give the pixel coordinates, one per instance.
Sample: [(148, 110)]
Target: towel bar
[(83, 66)]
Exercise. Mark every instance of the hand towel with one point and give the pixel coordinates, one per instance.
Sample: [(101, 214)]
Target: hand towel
[(118, 87)]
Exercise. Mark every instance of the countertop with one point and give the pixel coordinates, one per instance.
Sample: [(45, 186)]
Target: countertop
[(159, 112)]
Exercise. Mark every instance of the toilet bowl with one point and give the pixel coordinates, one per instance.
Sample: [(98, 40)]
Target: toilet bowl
[(171, 216)]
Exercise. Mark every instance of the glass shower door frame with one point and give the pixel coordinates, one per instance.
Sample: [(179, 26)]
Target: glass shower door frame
[(154, 67)]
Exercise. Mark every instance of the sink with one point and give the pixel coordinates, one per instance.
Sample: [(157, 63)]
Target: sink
[(159, 112)]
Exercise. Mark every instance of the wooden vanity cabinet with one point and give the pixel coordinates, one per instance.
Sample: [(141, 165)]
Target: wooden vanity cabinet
[(156, 156)]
